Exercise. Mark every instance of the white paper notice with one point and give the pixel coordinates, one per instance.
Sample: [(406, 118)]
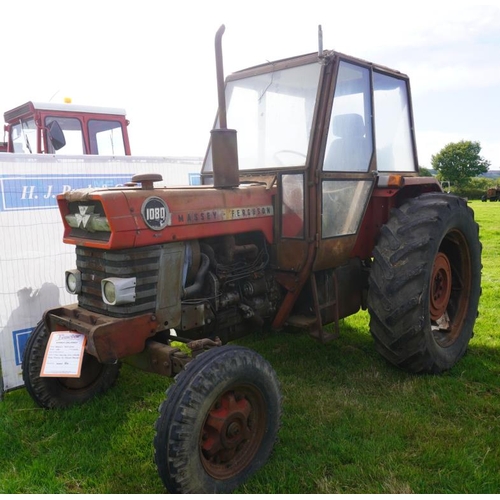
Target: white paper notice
[(64, 355)]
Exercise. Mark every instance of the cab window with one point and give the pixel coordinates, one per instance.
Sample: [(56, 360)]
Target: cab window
[(73, 134), (349, 144), (106, 138), (392, 124), (23, 136)]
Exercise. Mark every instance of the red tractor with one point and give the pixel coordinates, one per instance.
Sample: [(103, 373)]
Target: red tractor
[(317, 212), (492, 194), (68, 129)]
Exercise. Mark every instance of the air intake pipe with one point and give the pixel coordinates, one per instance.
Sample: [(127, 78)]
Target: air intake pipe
[(191, 291), (224, 143)]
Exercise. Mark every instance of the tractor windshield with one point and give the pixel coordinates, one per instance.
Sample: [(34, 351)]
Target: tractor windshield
[(273, 114)]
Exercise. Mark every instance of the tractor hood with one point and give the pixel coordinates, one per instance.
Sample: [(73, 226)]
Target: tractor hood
[(131, 217)]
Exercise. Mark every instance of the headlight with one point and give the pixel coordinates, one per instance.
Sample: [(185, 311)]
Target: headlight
[(109, 292), (73, 281), (117, 291)]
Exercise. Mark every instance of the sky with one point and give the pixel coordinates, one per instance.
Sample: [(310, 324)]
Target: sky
[(156, 60)]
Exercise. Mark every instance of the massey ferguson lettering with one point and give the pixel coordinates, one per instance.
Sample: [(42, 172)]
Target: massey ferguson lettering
[(220, 214)]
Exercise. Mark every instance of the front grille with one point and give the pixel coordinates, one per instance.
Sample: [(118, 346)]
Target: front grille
[(141, 263), (93, 208)]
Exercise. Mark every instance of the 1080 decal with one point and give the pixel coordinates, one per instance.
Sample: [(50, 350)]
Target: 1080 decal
[(155, 213)]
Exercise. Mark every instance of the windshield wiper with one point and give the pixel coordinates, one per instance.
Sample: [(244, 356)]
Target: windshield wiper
[(25, 137)]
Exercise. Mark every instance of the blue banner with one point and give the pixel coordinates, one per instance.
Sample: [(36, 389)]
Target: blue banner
[(40, 191), (19, 338)]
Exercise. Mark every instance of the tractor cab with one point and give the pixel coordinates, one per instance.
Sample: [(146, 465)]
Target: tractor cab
[(333, 113), (330, 132), (67, 129)]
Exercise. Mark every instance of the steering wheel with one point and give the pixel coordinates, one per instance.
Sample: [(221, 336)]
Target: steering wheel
[(286, 151)]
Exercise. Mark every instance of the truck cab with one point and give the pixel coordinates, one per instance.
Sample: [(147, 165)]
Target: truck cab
[(65, 128)]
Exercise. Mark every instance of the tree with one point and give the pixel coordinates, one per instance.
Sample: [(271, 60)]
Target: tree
[(458, 162), (424, 172)]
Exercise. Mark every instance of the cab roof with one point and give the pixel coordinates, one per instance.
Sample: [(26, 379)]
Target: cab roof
[(312, 57), (30, 107)]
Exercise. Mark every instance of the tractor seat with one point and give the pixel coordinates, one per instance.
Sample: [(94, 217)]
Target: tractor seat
[(350, 151)]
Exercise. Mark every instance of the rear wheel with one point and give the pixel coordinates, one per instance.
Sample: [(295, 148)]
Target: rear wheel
[(60, 392), (219, 422), (425, 283)]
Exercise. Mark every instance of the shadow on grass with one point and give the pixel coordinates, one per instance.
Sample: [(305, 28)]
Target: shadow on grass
[(104, 446), (352, 423)]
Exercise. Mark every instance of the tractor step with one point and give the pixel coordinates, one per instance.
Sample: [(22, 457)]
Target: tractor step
[(301, 321), (323, 336), (309, 323)]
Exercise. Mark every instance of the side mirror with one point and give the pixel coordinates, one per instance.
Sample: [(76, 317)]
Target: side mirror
[(56, 135)]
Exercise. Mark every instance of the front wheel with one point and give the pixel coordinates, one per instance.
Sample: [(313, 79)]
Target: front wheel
[(219, 422), (61, 392), (425, 283)]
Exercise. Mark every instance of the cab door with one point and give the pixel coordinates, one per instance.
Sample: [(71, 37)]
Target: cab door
[(346, 178)]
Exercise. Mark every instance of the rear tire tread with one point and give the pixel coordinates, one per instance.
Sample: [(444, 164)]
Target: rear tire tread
[(398, 296)]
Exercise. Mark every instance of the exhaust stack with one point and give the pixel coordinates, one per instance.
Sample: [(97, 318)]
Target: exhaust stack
[(224, 142)]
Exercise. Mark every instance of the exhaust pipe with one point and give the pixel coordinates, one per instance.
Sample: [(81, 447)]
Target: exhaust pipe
[(224, 143)]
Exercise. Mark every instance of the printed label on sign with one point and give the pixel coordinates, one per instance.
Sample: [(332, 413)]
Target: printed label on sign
[(64, 355)]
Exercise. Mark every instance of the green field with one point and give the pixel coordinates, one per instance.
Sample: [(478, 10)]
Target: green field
[(351, 422)]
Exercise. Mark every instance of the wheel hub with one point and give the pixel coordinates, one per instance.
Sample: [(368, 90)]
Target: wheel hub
[(90, 372), (232, 433), (233, 430), (440, 286), (226, 430)]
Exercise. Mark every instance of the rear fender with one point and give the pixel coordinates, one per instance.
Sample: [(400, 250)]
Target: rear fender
[(383, 200)]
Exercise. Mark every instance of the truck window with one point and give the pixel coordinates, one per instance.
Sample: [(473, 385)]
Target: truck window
[(106, 138), (349, 145), (392, 124), (72, 129)]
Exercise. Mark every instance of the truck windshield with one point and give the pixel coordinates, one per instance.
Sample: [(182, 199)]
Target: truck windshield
[(272, 114)]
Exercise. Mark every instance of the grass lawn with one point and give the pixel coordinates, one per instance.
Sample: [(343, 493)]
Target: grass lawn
[(351, 422)]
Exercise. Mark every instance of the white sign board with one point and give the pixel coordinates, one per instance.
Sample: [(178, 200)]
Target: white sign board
[(33, 258), (63, 355)]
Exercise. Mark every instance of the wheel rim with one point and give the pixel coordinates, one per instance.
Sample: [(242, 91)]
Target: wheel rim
[(440, 286), (450, 282), (232, 432), (90, 372)]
